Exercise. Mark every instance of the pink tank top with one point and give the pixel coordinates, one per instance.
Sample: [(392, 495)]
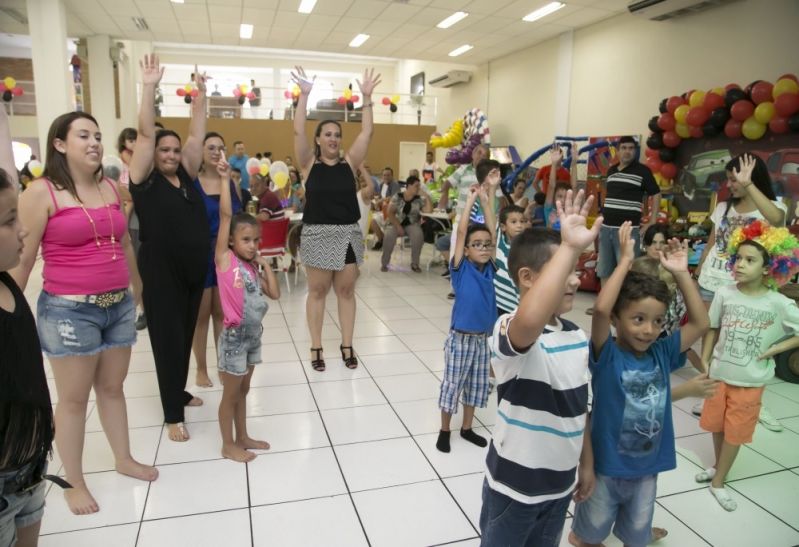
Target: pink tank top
[(73, 263), (231, 289)]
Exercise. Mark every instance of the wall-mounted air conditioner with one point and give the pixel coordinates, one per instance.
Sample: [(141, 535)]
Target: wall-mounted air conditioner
[(451, 78), (660, 10)]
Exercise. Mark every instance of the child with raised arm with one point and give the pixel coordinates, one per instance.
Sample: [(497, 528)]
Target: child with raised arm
[(556, 189), (541, 447), (241, 290), (632, 432), (466, 353), (750, 323)]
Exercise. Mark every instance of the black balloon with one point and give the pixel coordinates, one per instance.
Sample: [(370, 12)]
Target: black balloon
[(653, 125), (655, 141), (733, 96), (350, 105), (242, 98), (793, 123), (662, 107), (719, 117), (710, 130), (187, 99), (393, 108), (667, 155), (7, 95), (748, 89)]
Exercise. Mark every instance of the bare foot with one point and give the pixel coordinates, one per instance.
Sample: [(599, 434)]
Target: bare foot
[(247, 442), (237, 453), (574, 540), (658, 534), (132, 468), (195, 401), (203, 380), (177, 432), (79, 500)]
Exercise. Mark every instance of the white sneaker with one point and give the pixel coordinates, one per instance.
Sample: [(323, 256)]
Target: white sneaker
[(768, 421), (696, 410)]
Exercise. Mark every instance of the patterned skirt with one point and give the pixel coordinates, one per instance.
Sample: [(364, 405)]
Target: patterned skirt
[(324, 246)]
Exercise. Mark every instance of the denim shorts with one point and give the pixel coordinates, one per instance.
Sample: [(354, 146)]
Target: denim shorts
[(629, 503), (19, 510), (610, 250), (239, 348), (68, 328)]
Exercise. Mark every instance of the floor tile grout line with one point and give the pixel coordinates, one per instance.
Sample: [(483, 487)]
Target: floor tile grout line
[(696, 533), (740, 493), (149, 485), (249, 503)]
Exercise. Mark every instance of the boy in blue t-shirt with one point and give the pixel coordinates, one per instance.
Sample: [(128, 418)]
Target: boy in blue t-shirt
[(466, 353), (631, 426)]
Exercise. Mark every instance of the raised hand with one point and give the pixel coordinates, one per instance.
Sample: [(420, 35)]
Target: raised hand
[(151, 70), (223, 168), (369, 82), (626, 241), (299, 77), (744, 172), (675, 259), (573, 213), (200, 79), (555, 155)]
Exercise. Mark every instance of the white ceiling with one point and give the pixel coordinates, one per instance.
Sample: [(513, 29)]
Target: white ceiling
[(404, 29)]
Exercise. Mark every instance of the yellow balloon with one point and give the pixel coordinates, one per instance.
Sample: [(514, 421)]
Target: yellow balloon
[(680, 113), (682, 130), (348, 94), (263, 169), (395, 99), (753, 129), (696, 98), (764, 112), (9, 82), (718, 91), (35, 167), (786, 85), (281, 179), (244, 89), (188, 88)]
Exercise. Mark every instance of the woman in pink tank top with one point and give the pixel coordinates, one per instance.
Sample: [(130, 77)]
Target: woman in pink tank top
[(85, 313)]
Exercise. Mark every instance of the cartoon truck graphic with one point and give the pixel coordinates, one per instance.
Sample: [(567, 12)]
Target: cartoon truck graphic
[(705, 171)]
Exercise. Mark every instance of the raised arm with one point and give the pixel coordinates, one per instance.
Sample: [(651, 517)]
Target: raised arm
[(302, 150), (6, 151), (487, 200), (192, 156), (600, 321), (546, 291), (676, 261), (773, 214), (221, 252), (463, 226), (357, 152), (141, 162)]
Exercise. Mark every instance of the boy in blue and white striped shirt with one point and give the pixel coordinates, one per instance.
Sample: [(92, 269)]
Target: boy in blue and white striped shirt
[(511, 224)]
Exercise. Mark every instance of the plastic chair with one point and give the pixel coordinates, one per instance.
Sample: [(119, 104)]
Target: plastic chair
[(273, 244)]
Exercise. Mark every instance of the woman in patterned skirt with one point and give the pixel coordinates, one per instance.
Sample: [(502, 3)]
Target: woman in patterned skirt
[(332, 244)]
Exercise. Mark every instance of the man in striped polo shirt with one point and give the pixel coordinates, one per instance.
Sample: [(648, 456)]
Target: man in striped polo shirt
[(627, 187)]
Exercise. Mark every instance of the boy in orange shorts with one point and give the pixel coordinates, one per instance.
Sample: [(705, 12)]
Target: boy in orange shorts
[(746, 322)]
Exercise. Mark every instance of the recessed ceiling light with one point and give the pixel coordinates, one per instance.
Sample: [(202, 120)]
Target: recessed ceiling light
[(549, 9), (452, 19), (306, 6), (178, 1), (245, 31), (359, 40), (460, 50)]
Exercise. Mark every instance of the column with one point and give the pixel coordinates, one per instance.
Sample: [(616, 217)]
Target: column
[(101, 84), (563, 80)]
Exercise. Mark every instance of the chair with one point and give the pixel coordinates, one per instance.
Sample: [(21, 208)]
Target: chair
[(273, 244)]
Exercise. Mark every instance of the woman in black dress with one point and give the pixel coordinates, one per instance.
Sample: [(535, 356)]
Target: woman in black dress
[(331, 244), (175, 238)]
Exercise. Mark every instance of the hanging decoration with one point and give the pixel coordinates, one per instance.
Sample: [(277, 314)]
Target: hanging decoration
[(242, 92), (9, 88), (347, 98), (293, 94), (188, 92), (391, 102)]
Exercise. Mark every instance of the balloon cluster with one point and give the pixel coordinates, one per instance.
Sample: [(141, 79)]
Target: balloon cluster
[(453, 136), (9, 88), (188, 92), (348, 99), (36, 168), (737, 112), (242, 92), (277, 171), (254, 166), (293, 94), (391, 102)]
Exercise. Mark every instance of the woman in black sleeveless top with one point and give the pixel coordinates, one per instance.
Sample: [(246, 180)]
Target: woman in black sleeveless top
[(331, 244), (175, 239)]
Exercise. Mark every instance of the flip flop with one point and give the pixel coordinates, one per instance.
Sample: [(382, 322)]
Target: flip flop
[(706, 475)]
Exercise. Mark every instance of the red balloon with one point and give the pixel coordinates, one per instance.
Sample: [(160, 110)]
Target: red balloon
[(17, 91), (671, 139), (761, 92), (673, 103), (386, 101), (668, 170), (789, 76), (741, 110), (786, 104), (731, 86), (342, 100), (195, 92), (651, 152), (287, 94), (181, 92), (713, 101), (666, 121), (733, 129), (654, 164), (697, 116), (355, 98), (778, 125), (696, 132), (237, 91)]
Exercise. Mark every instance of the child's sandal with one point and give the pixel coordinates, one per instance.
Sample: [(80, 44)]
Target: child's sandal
[(318, 364), (351, 362)]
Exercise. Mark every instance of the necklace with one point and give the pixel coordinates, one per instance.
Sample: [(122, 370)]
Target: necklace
[(94, 228)]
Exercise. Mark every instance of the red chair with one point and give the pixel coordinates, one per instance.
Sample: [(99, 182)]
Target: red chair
[(274, 234)]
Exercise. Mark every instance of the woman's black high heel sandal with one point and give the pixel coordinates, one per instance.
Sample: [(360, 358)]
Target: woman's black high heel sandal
[(351, 362), (318, 364)]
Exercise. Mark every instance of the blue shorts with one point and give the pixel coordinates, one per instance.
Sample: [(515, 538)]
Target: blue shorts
[(239, 348), (610, 250), (19, 510), (68, 328), (466, 365), (629, 503), (443, 243)]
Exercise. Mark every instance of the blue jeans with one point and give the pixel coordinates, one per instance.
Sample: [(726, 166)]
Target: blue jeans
[(506, 522), (610, 250), (19, 510)]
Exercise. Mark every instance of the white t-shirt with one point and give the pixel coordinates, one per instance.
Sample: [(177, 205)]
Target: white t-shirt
[(714, 272)]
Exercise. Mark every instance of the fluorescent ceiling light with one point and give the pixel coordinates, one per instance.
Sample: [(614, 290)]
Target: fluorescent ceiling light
[(549, 9), (359, 40), (245, 31), (178, 1), (460, 50), (306, 6), (452, 19)]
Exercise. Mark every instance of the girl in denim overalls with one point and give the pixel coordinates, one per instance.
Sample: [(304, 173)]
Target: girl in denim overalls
[(241, 290)]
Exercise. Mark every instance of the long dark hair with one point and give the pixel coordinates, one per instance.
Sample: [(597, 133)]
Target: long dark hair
[(56, 167), (5, 181), (318, 151), (760, 178), (127, 134)]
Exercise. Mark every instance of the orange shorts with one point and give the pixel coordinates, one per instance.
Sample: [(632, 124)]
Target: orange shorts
[(733, 410)]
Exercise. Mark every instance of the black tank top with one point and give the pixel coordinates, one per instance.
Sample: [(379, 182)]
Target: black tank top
[(331, 195)]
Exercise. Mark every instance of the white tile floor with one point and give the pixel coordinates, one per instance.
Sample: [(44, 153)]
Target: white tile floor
[(353, 460)]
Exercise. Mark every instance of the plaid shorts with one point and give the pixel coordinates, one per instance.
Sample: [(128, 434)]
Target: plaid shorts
[(467, 362)]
